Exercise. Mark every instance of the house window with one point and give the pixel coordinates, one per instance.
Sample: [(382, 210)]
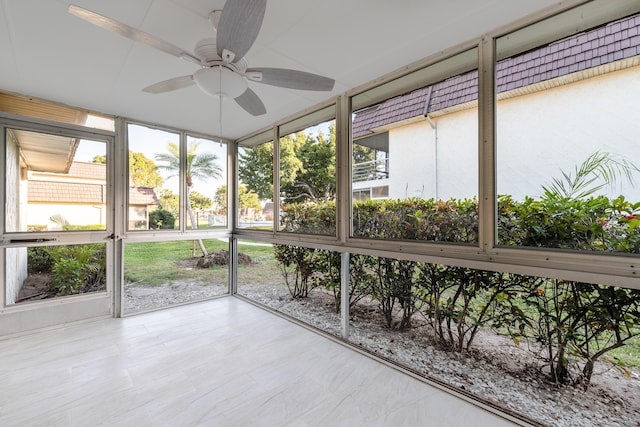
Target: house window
[(568, 153), (415, 142)]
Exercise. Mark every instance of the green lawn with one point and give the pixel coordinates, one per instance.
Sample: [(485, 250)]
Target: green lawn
[(156, 263)]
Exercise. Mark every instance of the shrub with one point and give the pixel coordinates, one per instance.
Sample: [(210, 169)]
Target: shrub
[(572, 324), (39, 260), (66, 276), (161, 219)]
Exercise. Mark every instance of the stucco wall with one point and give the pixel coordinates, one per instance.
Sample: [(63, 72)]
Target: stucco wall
[(77, 214), (538, 135)]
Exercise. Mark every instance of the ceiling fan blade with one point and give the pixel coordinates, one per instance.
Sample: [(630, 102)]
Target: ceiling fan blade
[(290, 79), (251, 103), (239, 26), (171, 84), (131, 33)]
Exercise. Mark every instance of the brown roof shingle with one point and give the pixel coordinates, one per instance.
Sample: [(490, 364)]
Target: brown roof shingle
[(142, 196), (67, 192), (609, 43)]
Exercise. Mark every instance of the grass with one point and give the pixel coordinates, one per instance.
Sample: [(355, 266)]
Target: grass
[(156, 263), (628, 355)]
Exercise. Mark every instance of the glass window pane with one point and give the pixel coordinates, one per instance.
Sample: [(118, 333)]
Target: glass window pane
[(255, 187), (415, 158), (161, 274), (519, 341), (206, 177), (278, 277), (568, 154), (54, 183), (43, 272), (154, 184), (308, 179)]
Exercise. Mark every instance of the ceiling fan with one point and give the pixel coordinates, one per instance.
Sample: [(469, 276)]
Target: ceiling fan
[(224, 70)]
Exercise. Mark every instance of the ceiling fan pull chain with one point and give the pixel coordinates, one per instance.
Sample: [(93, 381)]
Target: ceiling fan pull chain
[(220, 107)]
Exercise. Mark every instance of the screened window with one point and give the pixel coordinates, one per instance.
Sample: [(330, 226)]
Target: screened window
[(414, 155), (255, 186), (206, 179), (154, 179), (307, 164), (568, 152)]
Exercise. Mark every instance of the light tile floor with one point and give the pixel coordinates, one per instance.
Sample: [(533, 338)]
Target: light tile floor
[(223, 362)]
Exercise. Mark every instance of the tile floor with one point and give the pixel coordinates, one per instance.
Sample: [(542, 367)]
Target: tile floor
[(222, 362)]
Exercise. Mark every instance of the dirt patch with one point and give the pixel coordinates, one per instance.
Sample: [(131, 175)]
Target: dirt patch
[(35, 287), (221, 258)]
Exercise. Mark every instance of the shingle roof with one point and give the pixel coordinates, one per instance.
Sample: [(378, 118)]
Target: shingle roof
[(65, 192), (142, 196), (88, 170), (603, 45)]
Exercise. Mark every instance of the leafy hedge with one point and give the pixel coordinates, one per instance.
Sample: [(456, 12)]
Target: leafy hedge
[(571, 324)]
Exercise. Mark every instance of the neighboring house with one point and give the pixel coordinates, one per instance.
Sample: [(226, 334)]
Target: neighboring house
[(79, 196), (556, 105), (142, 200)]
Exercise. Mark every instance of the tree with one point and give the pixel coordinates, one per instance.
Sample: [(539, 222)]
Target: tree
[(169, 201), (256, 170), (314, 179), (247, 198), (198, 166), (199, 201), (307, 167), (143, 172)]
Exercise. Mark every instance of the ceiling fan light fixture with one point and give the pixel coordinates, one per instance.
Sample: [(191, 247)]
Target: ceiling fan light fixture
[(209, 79)]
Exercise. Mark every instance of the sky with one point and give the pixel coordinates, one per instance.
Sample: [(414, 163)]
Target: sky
[(153, 141)]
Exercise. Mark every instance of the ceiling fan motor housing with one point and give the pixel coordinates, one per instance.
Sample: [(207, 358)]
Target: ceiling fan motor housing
[(220, 81)]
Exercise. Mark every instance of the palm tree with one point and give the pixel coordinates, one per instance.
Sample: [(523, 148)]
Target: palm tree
[(201, 166)]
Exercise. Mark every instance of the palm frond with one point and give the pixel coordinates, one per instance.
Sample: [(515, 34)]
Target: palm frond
[(598, 171)]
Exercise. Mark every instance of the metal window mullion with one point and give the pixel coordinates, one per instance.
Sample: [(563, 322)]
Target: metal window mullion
[(182, 174), (487, 202), (276, 179), (343, 160), (233, 204), (344, 294), (120, 183)]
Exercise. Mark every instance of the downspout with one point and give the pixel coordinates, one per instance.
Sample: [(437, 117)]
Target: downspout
[(434, 126)]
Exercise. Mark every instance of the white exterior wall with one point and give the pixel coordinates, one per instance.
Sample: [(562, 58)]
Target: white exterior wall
[(542, 133), (538, 135), (435, 162), (39, 214)]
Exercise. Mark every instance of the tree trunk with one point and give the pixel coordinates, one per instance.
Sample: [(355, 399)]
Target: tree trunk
[(194, 223)]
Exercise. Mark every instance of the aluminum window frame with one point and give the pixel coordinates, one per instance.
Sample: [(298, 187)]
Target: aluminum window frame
[(615, 270)]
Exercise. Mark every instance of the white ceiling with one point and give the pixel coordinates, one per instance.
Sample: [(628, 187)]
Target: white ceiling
[(50, 54)]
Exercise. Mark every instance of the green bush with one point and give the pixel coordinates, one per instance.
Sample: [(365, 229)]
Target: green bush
[(161, 219), (39, 260), (574, 323), (66, 276), (77, 268)]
